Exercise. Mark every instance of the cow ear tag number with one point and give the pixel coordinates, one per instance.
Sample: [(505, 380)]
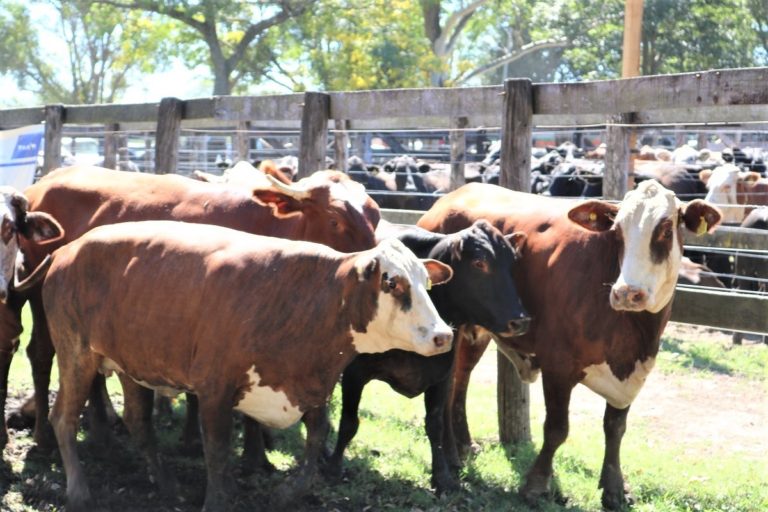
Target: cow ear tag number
[(702, 226), (429, 284)]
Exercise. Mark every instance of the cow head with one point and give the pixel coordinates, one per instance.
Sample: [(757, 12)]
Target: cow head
[(16, 221), (727, 185), (336, 211), (647, 226), (482, 288), (387, 303)]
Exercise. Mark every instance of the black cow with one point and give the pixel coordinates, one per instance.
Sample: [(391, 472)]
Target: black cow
[(481, 292), (751, 270)]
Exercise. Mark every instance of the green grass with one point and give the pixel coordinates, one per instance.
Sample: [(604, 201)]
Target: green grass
[(388, 462)]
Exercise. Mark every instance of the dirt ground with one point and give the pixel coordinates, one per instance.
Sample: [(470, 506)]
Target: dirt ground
[(718, 412), (709, 414)]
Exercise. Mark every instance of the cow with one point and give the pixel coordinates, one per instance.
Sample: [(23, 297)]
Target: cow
[(17, 225), (598, 280), (736, 191), (243, 174), (326, 207), (257, 324), (674, 177), (481, 292)]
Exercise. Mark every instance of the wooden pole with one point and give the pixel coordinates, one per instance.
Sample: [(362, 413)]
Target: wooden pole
[(167, 135), (243, 141), (314, 133), (513, 395), (341, 144), (618, 162), (111, 145), (458, 140), (54, 123), (633, 32)]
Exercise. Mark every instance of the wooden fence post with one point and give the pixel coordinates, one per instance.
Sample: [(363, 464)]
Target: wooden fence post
[(54, 123), (314, 133), (341, 144), (243, 140), (111, 145), (167, 135), (513, 395), (618, 162), (458, 138)]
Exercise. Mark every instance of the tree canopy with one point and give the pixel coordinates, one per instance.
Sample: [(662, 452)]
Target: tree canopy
[(294, 45)]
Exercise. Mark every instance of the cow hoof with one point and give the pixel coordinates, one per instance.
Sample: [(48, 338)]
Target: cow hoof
[(81, 502), (536, 488), (617, 500), (445, 485), (45, 441)]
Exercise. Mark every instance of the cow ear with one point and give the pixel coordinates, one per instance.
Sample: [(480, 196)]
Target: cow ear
[(41, 227), (282, 203), (517, 240), (752, 177), (424, 167), (594, 215), (439, 273), (700, 217), (705, 175)]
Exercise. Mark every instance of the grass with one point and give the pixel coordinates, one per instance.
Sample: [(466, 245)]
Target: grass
[(388, 462)]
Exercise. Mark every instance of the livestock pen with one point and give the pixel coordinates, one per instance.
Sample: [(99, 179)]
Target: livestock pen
[(732, 98)]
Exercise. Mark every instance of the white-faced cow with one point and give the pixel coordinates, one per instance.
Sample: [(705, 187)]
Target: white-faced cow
[(737, 191), (326, 207), (598, 280), (259, 324)]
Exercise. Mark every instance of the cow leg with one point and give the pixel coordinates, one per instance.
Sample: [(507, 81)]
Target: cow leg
[(435, 398), (254, 447), (98, 420), (137, 415), (352, 384), (10, 329), (467, 356), (317, 425), (611, 480), (557, 396), (190, 437), (76, 372), (40, 352), (216, 422)]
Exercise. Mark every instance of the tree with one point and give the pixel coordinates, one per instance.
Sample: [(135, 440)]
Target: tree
[(102, 47), (226, 35)]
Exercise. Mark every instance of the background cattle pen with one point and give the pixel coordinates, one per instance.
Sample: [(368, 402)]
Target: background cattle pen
[(457, 125)]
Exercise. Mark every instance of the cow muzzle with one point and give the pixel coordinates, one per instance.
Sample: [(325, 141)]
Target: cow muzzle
[(629, 298)]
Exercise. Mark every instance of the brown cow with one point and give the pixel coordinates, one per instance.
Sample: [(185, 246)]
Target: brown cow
[(598, 280), (258, 324), (326, 207)]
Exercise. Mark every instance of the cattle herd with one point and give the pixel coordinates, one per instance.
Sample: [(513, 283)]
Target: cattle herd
[(257, 294)]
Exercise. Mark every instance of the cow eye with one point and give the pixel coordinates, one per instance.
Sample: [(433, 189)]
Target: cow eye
[(334, 223), (480, 264)]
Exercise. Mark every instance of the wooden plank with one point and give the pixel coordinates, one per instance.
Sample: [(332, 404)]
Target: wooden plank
[(54, 121), (706, 89), (16, 117), (730, 237), (314, 133), (111, 113), (458, 138), (435, 102), (721, 309), (167, 135), (516, 135), (282, 107), (243, 140), (617, 160), (111, 144), (341, 144)]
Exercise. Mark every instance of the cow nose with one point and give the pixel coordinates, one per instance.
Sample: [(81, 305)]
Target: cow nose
[(442, 340), (628, 297), (519, 326)]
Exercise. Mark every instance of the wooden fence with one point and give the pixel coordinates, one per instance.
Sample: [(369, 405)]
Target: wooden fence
[(721, 97)]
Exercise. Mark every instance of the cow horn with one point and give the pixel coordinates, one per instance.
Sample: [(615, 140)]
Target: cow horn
[(32, 278), (292, 191)]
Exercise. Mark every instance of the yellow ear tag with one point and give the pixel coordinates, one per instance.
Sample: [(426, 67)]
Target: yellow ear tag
[(429, 284), (702, 226), (592, 217)]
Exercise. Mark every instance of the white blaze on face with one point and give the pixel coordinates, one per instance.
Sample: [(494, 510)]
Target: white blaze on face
[(9, 245), (722, 186), (346, 190), (619, 393), (264, 404), (641, 211), (393, 327)]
